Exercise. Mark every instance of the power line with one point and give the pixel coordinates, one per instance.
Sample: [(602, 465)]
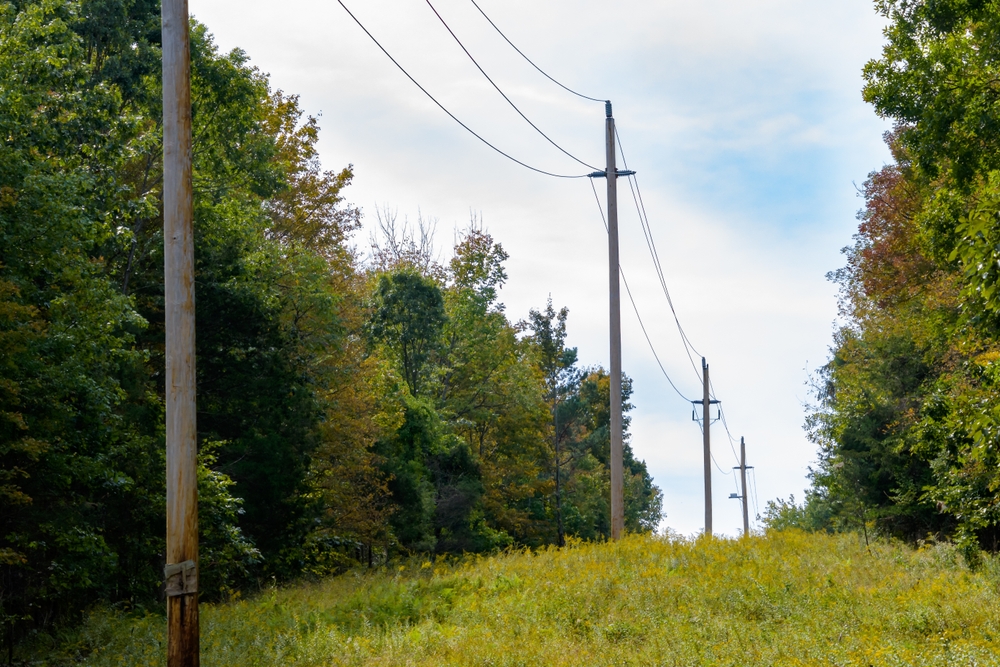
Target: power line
[(636, 308), (659, 272), (442, 107), (647, 232), (701, 427), (688, 346), (657, 265), (736, 483), (756, 509), (724, 472), (732, 440), (502, 94), (633, 186), (566, 88)]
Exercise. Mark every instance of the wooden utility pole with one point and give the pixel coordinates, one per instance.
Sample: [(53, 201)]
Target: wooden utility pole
[(743, 487), (706, 403), (617, 479), (181, 571), (560, 533), (743, 479), (615, 320)]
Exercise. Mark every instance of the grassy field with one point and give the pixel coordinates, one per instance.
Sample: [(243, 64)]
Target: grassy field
[(782, 599)]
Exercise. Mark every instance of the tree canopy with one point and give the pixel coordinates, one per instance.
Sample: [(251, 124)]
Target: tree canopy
[(907, 419), (349, 407)]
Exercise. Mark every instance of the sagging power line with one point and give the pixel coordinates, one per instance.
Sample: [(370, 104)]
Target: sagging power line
[(499, 90), (444, 109), (647, 231), (530, 61), (636, 308)]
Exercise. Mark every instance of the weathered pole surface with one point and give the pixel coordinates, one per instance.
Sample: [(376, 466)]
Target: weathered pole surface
[(560, 532), (707, 435), (617, 481), (743, 480), (181, 571)]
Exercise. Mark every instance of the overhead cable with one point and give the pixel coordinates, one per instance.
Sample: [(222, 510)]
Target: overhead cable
[(732, 440), (657, 265), (724, 472), (688, 348), (701, 427), (530, 62), (635, 307), (442, 107), (647, 231), (502, 94)]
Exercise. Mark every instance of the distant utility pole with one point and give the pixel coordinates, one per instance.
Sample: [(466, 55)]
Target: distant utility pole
[(181, 571), (706, 421), (743, 486), (707, 438), (617, 478)]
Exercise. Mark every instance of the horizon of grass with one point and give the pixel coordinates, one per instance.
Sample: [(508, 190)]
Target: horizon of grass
[(784, 598)]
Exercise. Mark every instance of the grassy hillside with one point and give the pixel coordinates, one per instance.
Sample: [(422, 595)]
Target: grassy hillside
[(784, 599)]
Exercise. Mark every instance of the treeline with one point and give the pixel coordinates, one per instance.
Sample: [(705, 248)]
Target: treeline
[(350, 407), (909, 419)]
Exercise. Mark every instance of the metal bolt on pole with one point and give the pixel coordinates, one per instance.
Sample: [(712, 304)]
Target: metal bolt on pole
[(181, 571)]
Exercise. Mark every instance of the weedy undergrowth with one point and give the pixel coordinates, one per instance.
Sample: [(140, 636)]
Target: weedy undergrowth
[(786, 598)]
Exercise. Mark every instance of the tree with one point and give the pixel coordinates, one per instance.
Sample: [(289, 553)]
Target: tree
[(557, 365), (905, 424), (493, 396), (407, 317), (81, 446), (76, 461), (581, 422)]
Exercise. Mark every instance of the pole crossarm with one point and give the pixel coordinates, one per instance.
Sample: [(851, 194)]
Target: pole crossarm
[(604, 174)]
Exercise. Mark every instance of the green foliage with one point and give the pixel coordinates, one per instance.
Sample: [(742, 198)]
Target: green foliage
[(225, 555), (81, 456), (479, 461), (345, 412), (906, 424), (408, 316), (936, 77), (812, 515), (78, 468)]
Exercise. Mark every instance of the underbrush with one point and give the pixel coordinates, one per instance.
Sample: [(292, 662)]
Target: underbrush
[(786, 598)]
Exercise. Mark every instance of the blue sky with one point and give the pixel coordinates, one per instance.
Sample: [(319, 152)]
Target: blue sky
[(746, 125)]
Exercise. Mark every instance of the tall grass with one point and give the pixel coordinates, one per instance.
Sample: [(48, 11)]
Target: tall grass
[(783, 599)]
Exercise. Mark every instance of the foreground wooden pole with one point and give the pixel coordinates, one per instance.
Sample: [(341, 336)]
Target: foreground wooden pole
[(617, 479), (181, 571)]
